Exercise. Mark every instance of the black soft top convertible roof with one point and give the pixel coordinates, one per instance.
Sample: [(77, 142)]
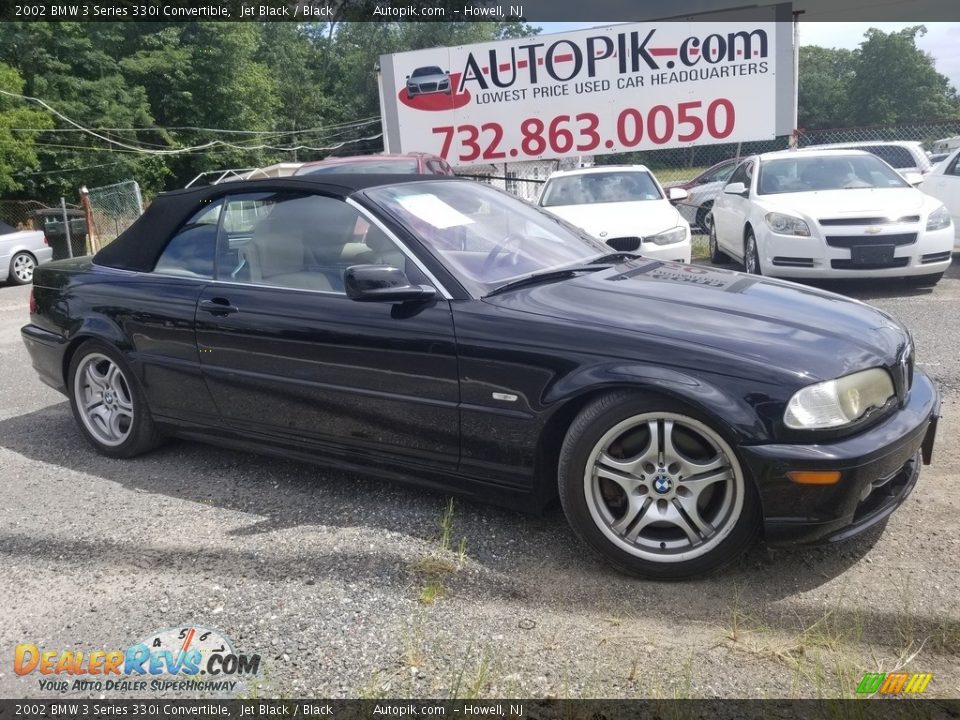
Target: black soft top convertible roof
[(138, 247)]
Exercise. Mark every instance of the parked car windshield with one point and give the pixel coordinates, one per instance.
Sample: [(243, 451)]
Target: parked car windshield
[(608, 187), (484, 236), (423, 71), (810, 174), (379, 167)]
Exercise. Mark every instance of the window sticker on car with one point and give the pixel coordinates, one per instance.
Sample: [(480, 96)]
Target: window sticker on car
[(433, 210)]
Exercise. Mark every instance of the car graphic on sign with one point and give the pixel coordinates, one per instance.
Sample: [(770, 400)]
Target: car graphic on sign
[(427, 80)]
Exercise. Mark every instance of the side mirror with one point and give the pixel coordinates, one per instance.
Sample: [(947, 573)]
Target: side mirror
[(737, 188), (676, 194), (383, 283), (913, 177)]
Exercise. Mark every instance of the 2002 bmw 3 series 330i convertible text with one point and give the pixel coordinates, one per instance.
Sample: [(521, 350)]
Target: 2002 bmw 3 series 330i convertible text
[(442, 332)]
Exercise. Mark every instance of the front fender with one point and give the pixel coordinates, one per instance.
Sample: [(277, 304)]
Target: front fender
[(746, 408)]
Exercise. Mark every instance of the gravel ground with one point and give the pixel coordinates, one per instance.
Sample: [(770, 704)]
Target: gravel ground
[(317, 571)]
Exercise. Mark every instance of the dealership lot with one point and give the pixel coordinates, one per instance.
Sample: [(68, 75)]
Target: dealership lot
[(323, 573)]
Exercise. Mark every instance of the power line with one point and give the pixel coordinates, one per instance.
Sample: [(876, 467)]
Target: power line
[(157, 128)]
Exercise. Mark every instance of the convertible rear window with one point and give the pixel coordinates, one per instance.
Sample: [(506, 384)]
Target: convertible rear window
[(191, 250)]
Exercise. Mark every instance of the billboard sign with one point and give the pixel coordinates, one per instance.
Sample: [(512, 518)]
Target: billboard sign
[(636, 86)]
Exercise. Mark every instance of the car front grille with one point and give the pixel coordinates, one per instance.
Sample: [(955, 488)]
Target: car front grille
[(826, 222), (428, 87), (849, 265), (849, 241)]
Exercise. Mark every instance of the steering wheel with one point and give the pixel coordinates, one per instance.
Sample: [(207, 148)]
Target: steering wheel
[(509, 248)]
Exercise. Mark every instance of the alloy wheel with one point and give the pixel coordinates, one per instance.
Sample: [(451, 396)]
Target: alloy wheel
[(664, 487), (104, 400), (23, 267)]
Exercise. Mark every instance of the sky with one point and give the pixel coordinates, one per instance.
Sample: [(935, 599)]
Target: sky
[(942, 40)]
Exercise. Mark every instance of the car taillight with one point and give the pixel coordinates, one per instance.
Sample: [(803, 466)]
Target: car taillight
[(33, 302)]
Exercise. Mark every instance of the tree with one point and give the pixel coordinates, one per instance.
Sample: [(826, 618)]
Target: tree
[(896, 82), (826, 78), (17, 125)]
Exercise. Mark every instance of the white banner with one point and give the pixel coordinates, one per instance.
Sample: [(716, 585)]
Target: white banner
[(636, 86)]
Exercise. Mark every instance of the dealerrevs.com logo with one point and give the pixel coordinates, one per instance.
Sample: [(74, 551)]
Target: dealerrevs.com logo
[(189, 658)]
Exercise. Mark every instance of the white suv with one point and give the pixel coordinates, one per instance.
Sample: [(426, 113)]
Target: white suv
[(829, 214)]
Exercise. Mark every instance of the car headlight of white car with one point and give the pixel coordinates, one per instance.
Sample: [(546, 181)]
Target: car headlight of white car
[(668, 237), (784, 224), (838, 402), (938, 219)]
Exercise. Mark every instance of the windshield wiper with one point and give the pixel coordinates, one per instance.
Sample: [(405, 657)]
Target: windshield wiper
[(546, 276)]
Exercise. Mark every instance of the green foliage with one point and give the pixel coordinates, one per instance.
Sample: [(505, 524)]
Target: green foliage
[(173, 81), (17, 152), (887, 80)]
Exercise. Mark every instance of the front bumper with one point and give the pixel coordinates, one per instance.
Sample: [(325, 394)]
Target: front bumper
[(879, 468), (812, 257)]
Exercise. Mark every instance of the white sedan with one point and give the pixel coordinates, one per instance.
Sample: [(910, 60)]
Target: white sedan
[(623, 206), (20, 253), (944, 184), (829, 214)]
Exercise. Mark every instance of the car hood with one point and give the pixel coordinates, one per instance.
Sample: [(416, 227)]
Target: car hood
[(809, 333), (620, 219), (893, 202)]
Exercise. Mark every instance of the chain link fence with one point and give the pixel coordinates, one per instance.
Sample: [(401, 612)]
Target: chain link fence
[(35, 215), (113, 208)]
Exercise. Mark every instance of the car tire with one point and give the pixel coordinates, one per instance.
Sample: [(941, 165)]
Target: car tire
[(108, 403), (669, 531), (22, 266), (751, 257), (704, 219), (924, 280), (717, 256)]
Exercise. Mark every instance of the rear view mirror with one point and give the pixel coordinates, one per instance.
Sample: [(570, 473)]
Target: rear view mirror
[(676, 194), (383, 283)]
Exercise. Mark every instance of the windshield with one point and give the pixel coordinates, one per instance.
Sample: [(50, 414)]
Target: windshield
[(366, 167), (425, 71), (485, 237), (608, 187), (835, 172)]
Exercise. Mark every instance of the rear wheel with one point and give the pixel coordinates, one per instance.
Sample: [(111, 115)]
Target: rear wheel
[(22, 266), (751, 257), (655, 489), (108, 404)]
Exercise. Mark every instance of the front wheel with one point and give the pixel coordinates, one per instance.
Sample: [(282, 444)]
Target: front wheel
[(655, 489), (704, 217), (22, 266), (108, 404), (717, 256), (751, 257)]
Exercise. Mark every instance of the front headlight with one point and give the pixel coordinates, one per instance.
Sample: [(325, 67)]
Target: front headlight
[(787, 224), (677, 234), (938, 219), (838, 402)]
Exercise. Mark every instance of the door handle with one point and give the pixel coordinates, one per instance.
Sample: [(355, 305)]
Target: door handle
[(218, 306)]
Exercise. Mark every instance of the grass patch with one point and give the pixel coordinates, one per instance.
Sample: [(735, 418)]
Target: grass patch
[(441, 561)]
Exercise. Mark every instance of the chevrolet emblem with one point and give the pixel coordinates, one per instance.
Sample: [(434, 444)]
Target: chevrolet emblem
[(873, 230)]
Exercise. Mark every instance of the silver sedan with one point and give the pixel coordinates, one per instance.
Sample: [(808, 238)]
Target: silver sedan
[(20, 253)]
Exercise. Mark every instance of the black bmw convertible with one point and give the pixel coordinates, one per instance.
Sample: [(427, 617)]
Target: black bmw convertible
[(441, 332)]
